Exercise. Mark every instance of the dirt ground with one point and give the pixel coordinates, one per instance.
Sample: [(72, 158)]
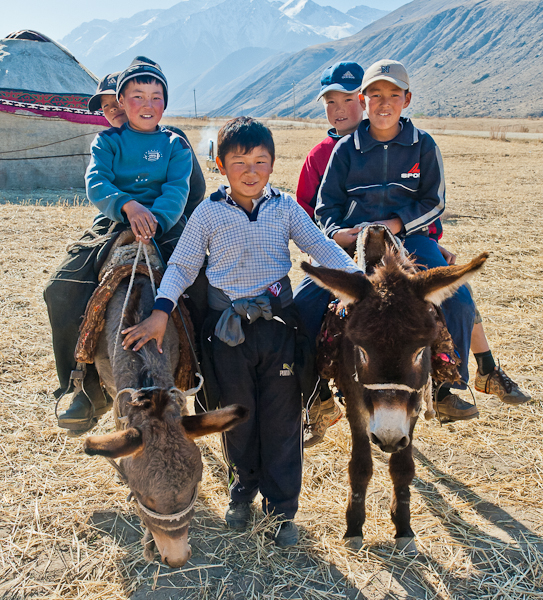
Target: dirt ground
[(66, 530)]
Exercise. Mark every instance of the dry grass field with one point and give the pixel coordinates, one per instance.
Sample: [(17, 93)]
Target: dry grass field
[(66, 530)]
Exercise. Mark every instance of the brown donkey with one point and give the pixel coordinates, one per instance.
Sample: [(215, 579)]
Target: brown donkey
[(162, 465), (155, 435), (383, 367)]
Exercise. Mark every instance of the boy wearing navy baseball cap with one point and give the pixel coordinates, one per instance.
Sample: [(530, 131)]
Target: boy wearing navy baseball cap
[(340, 89)]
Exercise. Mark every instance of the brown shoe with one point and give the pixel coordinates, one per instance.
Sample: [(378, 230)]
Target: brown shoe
[(328, 415), (453, 408), (497, 383)]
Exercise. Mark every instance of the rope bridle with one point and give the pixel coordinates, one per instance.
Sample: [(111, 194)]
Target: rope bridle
[(171, 518), (122, 423), (425, 391), (141, 246)]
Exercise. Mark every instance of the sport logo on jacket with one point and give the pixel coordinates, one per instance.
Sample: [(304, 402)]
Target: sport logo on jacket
[(413, 173), (152, 155)]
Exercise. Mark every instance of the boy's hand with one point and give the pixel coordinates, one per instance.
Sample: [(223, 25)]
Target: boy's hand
[(448, 256), (395, 224), (153, 328), (142, 221), (346, 237)]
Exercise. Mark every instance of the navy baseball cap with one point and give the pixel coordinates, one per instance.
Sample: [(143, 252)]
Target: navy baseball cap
[(343, 77), (108, 86), (140, 66)]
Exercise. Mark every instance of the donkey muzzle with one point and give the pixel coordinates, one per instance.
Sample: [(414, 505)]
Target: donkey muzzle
[(390, 423)]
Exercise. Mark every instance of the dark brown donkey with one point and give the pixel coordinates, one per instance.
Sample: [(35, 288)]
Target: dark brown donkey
[(383, 368), (155, 435)]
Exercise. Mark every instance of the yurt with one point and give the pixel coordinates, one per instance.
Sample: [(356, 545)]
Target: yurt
[(45, 127)]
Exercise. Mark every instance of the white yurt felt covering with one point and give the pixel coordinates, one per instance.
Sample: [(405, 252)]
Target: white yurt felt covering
[(45, 127)]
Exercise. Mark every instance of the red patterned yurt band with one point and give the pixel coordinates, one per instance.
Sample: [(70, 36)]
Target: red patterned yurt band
[(61, 100), (70, 107)]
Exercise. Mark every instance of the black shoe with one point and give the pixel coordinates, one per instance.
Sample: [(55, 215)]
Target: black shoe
[(286, 535), (238, 514), (80, 415)]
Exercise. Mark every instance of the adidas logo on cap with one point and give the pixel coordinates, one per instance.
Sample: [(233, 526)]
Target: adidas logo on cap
[(348, 75)]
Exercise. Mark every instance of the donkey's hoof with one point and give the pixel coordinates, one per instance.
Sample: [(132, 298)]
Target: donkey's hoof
[(406, 545), (353, 543)]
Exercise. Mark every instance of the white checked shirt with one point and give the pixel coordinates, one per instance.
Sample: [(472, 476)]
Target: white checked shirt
[(246, 253)]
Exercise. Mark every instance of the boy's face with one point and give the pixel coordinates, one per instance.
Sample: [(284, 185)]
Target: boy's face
[(143, 104), (343, 111), (384, 102), (247, 173), (114, 114)]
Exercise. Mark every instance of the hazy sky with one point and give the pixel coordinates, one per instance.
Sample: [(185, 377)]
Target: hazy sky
[(56, 18)]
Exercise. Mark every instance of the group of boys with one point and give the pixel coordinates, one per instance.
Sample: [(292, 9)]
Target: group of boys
[(145, 176)]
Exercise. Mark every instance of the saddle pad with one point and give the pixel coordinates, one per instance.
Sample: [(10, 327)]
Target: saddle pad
[(94, 321)]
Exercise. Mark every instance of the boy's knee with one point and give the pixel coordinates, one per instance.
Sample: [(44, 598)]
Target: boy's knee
[(461, 304)]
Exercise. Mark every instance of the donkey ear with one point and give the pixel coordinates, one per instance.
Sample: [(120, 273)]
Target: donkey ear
[(214, 421), (114, 445), (348, 287), (438, 284)]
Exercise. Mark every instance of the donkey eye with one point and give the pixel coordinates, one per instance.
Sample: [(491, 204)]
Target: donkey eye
[(417, 357), (361, 354)]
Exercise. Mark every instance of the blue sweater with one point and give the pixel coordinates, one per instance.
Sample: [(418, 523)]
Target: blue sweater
[(152, 168), (367, 180)]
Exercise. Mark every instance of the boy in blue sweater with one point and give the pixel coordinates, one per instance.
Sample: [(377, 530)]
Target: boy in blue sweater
[(390, 172), (138, 177)]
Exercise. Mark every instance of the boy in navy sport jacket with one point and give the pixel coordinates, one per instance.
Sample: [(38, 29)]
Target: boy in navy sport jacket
[(390, 172)]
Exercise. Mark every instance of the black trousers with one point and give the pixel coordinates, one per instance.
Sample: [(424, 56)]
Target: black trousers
[(264, 453), (69, 289)]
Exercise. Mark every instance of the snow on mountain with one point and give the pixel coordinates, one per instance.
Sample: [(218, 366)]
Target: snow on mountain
[(465, 58), (325, 20), (190, 39), (187, 48)]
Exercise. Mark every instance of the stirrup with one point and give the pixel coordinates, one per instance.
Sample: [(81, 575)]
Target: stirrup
[(76, 384), (436, 392)]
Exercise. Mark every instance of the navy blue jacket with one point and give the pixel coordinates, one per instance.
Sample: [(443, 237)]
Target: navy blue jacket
[(367, 180)]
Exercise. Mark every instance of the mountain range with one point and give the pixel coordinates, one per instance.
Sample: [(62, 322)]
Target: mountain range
[(465, 58), (213, 48)]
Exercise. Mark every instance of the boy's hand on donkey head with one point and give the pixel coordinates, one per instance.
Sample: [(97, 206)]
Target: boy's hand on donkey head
[(153, 328), (142, 221), (346, 237)]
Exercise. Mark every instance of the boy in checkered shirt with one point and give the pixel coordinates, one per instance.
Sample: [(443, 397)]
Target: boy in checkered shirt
[(253, 323)]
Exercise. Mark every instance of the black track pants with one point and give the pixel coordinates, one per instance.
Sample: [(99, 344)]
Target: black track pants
[(265, 453)]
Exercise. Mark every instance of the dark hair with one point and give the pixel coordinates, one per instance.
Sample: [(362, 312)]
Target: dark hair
[(141, 79), (244, 133)]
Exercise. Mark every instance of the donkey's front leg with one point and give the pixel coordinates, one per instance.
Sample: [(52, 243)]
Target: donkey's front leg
[(360, 472), (402, 471)]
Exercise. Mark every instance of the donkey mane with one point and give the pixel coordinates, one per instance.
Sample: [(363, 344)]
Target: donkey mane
[(133, 313)]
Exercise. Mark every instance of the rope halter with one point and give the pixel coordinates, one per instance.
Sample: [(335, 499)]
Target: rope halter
[(184, 516)]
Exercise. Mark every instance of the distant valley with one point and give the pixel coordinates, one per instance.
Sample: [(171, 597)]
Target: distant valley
[(215, 47), (466, 58)]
